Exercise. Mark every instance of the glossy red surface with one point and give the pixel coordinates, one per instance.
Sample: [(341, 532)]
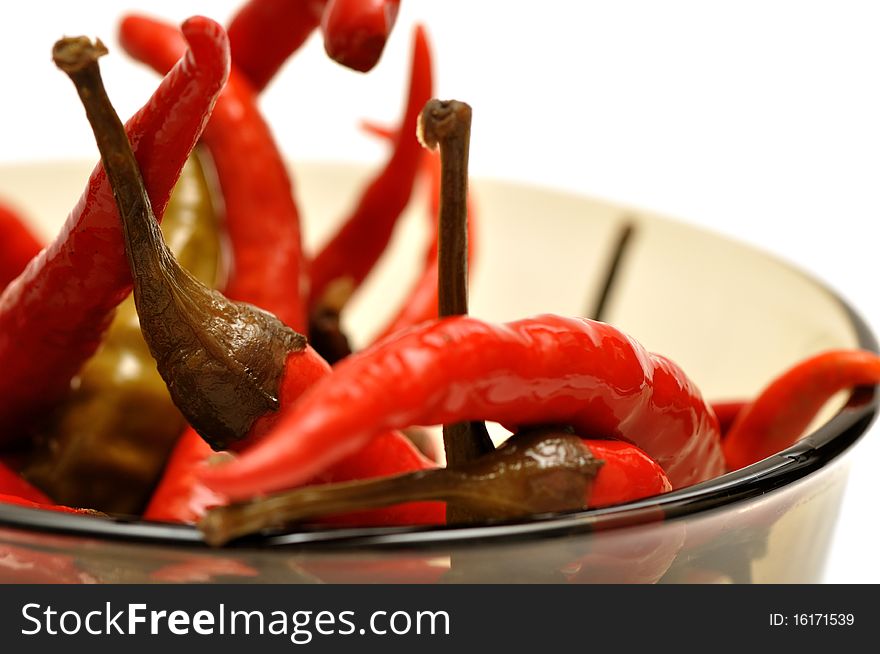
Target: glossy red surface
[(547, 370), (628, 475), (355, 31), (782, 411)]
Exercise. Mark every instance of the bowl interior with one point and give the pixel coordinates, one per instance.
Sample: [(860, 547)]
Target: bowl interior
[(730, 315)]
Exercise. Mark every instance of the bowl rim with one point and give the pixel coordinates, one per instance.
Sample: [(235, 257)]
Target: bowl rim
[(809, 455)]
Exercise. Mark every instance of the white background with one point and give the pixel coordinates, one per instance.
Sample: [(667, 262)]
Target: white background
[(760, 120)]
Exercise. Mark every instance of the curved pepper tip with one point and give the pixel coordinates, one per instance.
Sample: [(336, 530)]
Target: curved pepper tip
[(355, 31), (206, 48), (205, 38)]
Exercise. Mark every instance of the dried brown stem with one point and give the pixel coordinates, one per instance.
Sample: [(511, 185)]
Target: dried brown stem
[(325, 322), (447, 125), (615, 265), (219, 379), (537, 471)]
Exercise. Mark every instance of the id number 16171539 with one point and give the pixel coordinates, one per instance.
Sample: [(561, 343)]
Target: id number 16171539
[(812, 620)]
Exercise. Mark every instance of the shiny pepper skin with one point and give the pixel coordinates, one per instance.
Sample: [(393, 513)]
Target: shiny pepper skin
[(544, 370), (355, 31), (781, 413)]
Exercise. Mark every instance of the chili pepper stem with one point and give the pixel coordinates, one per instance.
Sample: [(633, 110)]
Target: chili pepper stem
[(536, 471), (219, 382), (225, 523), (447, 125), (325, 321), (615, 264), (466, 441), (78, 57)]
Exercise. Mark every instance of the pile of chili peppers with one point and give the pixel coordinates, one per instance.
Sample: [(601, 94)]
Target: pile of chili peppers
[(224, 392)]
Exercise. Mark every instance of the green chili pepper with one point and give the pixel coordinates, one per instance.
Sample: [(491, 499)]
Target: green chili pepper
[(106, 446)]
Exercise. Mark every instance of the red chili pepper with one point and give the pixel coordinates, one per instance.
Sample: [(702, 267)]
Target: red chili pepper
[(264, 33), (365, 234), (783, 411), (52, 316), (261, 216), (545, 370), (355, 31), (12, 484), (18, 245), (302, 370)]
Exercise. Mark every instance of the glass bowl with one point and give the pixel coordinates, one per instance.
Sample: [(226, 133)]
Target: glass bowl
[(730, 315)]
